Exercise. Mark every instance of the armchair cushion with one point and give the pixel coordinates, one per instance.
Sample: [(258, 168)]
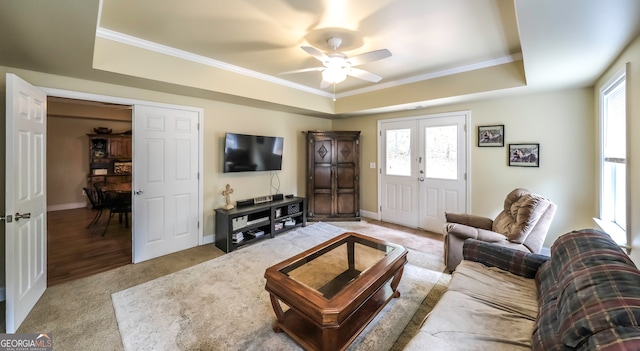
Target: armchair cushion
[(522, 210)]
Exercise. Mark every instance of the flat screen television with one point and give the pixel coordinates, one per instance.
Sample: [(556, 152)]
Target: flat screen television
[(252, 153)]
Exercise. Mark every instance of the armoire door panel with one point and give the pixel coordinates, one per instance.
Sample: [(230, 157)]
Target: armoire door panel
[(346, 177), (322, 204), (346, 151), (322, 177), (346, 203), (323, 152)]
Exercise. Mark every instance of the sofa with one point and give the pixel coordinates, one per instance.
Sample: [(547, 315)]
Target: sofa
[(585, 296), (522, 224)]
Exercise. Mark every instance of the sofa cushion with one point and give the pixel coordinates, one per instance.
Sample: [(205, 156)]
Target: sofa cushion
[(589, 294), (475, 315)]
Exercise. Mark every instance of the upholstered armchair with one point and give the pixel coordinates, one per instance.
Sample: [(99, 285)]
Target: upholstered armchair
[(522, 225)]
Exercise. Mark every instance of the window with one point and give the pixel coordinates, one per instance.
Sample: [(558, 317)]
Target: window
[(613, 153), (398, 157)]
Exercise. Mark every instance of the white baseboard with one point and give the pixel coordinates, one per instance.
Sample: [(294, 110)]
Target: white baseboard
[(3, 294), (70, 206), (207, 239), (369, 214)]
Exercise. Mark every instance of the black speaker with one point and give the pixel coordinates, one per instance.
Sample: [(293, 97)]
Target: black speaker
[(277, 197), (244, 203)]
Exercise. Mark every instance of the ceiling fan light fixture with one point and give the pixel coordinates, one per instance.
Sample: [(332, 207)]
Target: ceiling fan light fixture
[(334, 75)]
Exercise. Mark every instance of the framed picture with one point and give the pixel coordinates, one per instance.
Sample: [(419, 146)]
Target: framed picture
[(491, 135), (524, 155)]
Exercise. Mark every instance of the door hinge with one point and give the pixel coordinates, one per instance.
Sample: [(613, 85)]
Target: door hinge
[(380, 208), (7, 218), (198, 224)]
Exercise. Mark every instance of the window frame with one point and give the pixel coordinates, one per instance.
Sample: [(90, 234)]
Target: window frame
[(611, 227)]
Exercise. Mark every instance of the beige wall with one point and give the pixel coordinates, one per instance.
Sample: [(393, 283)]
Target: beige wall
[(68, 158), (219, 118), (630, 55), (561, 121)]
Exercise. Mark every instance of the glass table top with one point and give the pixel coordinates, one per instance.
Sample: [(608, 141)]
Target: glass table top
[(330, 269)]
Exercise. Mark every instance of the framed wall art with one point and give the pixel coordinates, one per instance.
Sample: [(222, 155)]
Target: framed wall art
[(524, 155), (492, 136)]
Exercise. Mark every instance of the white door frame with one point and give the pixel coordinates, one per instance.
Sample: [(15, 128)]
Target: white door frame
[(127, 101), (467, 118)]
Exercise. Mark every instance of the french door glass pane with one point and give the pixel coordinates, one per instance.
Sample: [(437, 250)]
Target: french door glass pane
[(441, 152), (398, 157)]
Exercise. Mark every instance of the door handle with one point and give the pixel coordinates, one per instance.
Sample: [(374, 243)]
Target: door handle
[(24, 215), (139, 192)]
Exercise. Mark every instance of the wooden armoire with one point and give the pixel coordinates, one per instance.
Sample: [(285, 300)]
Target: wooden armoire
[(333, 176)]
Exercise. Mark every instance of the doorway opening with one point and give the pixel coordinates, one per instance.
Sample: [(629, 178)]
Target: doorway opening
[(76, 247)]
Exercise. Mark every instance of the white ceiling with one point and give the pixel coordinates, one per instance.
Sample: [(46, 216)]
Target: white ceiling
[(561, 44)]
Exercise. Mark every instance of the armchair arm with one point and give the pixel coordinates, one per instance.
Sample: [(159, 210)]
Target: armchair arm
[(511, 260), (468, 232), (470, 220)]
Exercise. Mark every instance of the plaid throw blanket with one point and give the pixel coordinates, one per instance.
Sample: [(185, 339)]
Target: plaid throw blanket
[(588, 296), (518, 262)]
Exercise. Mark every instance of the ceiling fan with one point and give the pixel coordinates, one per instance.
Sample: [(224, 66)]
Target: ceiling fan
[(337, 65)]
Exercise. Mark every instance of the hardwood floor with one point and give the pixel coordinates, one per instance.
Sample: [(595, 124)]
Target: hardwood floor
[(73, 251)]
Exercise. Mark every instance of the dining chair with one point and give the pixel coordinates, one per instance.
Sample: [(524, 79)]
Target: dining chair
[(117, 202), (96, 204)]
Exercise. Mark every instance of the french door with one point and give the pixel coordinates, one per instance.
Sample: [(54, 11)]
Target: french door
[(423, 167)]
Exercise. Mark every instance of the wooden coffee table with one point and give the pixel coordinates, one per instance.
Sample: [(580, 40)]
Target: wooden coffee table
[(335, 289)]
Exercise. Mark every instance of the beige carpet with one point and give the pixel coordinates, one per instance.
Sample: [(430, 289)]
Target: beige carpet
[(221, 304)]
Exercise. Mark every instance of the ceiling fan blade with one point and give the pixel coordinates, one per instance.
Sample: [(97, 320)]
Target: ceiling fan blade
[(324, 84), (369, 57), (364, 75), (319, 55), (313, 69)]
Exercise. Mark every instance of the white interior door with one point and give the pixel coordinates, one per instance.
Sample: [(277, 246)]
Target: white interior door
[(423, 168), (165, 181), (398, 173), (25, 200), (443, 171)]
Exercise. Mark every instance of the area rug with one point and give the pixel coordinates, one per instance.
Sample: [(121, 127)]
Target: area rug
[(221, 304)]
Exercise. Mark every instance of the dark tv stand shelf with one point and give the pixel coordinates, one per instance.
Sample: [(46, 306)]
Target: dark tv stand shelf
[(268, 218)]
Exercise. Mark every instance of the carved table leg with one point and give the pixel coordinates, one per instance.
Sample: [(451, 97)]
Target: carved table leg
[(396, 281), (279, 314)]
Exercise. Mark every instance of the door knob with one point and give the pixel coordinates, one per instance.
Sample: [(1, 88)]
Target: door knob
[(139, 192), (24, 215)]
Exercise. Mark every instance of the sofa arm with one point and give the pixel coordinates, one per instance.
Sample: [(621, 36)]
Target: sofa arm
[(511, 260), (470, 220)]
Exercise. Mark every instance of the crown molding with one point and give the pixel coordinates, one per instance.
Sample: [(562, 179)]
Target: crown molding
[(185, 55), (438, 74), (188, 56)]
